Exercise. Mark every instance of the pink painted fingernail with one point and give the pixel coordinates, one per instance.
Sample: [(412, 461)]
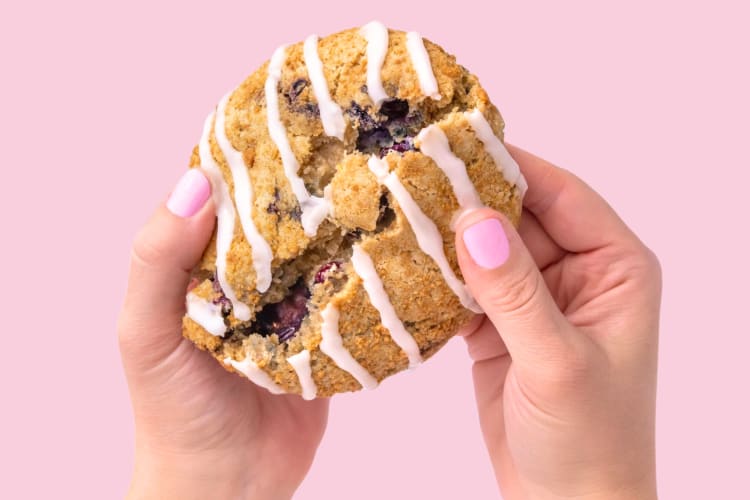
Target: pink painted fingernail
[(487, 243), (190, 194)]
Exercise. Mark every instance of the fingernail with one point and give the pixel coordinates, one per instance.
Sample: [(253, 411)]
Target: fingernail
[(487, 243), (190, 194)]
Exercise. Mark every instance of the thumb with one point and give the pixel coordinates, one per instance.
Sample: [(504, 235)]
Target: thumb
[(501, 274), (164, 253)]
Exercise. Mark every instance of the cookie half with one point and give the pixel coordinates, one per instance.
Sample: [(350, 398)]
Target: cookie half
[(337, 169)]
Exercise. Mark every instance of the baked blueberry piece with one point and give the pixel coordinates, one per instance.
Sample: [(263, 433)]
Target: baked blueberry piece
[(337, 168)]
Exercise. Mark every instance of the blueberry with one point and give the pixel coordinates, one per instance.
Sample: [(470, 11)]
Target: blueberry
[(386, 216), (363, 117), (374, 140), (322, 273), (286, 333), (221, 300), (215, 284), (283, 318), (292, 96), (296, 213), (394, 108), (310, 109), (399, 147), (394, 130), (273, 207), (297, 87)]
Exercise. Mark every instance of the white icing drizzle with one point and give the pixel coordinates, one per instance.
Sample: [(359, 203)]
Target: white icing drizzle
[(377, 46), (243, 197), (255, 374), (428, 236), (420, 60), (314, 209), (433, 142), (225, 217), (523, 186), (206, 314), (333, 346), (301, 364), (496, 149), (373, 285), (330, 112)]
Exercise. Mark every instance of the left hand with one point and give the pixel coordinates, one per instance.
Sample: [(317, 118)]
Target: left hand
[(201, 432)]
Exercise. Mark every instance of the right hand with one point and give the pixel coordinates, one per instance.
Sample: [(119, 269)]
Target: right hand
[(201, 432), (565, 358)]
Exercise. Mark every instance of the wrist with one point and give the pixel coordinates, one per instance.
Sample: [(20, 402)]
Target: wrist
[(645, 490), (185, 476)]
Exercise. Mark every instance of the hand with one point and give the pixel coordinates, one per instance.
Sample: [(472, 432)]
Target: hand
[(565, 358), (201, 432)]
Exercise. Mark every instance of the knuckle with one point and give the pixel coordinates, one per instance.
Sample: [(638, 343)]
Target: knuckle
[(146, 251), (516, 292), (653, 264), (646, 267), (124, 331)]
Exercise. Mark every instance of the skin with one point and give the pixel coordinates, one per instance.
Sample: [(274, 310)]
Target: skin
[(565, 357), (201, 432), (564, 362)]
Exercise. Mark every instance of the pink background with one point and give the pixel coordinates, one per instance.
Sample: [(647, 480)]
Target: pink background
[(100, 107)]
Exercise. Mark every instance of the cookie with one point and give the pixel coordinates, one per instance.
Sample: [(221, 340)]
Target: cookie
[(337, 169)]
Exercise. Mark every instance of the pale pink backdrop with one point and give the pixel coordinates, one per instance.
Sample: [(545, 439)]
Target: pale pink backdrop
[(101, 104)]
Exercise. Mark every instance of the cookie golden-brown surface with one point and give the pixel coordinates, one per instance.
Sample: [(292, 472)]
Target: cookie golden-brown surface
[(337, 168)]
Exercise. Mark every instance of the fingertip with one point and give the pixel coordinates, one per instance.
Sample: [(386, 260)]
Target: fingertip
[(505, 281), (483, 238), (190, 194), (167, 248)]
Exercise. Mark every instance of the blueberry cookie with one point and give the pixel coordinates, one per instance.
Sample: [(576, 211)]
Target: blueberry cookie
[(337, 169)]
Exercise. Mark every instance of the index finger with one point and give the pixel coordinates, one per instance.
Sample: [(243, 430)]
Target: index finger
[(574, 215)]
